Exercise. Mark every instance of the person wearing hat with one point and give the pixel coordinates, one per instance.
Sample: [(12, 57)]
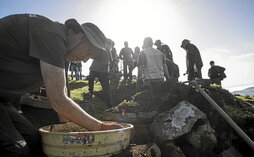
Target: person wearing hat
[(173, 68), (193, 60), (164, 49), (34, 50)]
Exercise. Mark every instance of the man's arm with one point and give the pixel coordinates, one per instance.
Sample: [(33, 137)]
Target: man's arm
[(209, 72), (132, 53), (54, 79), (165, 68), (121, 54), (141, 64)]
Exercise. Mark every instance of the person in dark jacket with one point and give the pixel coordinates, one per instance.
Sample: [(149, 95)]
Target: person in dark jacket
[(216, 73), (115, 58), (173, 70), (114, 73), (193, 60), (34, 51), (164, 48)]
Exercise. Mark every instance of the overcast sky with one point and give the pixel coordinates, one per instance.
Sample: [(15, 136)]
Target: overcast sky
[(221, 29)]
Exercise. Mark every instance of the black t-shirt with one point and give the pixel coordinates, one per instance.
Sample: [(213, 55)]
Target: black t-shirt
[(26, 39)]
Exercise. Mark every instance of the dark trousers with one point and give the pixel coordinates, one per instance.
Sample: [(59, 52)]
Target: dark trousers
[(192, 74), (216, 81), (104, 80), (154, 85), (127, 70), (18, 137)]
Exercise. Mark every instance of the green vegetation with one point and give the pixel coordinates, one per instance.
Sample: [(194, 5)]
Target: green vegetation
[(239, 114), (78, 87), (245, 98)]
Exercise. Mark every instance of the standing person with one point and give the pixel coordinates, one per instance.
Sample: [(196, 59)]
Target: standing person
[(34, 51), (173, 70), (114, 75), (164, 49), (115, 57), (73, 69), (79, 70), (135, 64), (193, 60), (100, 70), (153, 63), (135, 56), (126, 55), (216, 73)]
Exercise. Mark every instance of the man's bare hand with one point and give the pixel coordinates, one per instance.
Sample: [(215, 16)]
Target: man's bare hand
[(110, 126)]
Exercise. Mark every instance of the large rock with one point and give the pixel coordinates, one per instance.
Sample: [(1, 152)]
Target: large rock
[(202, 138), (176, 122), (169, 149)]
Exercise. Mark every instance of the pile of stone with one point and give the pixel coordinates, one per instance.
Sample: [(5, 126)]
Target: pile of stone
[(183, 123)]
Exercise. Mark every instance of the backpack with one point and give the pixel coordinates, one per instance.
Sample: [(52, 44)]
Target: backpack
[(223, 75), (221, 72)]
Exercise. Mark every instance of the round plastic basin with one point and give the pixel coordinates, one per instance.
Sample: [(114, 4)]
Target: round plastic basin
[(68, 140)]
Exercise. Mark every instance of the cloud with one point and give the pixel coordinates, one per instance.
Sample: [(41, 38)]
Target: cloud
[(217, 54), (246, 57), (243, 52)]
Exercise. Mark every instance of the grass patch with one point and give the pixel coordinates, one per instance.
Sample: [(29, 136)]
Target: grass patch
[(245, 98), (239, 114), (78, 87)]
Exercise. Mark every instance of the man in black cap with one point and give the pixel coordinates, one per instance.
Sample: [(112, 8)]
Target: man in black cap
[(193, 60), (173, 68), (164, 49), (33, 51)]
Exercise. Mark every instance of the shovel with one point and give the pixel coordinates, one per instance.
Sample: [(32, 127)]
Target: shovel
[(238, 130)]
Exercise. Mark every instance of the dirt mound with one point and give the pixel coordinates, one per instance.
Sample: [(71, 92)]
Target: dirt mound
[(172, 93), (128, 99)]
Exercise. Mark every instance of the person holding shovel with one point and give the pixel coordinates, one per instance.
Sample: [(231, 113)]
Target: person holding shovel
[(33, 51), (193, 60)]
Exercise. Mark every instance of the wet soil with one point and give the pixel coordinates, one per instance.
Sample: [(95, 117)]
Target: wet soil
[(67, 127)]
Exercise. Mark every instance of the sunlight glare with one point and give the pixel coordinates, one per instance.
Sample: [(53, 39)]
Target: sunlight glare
[(133, 20)]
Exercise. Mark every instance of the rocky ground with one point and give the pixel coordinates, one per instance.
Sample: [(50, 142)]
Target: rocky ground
[(141, 109), (169, 96)]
